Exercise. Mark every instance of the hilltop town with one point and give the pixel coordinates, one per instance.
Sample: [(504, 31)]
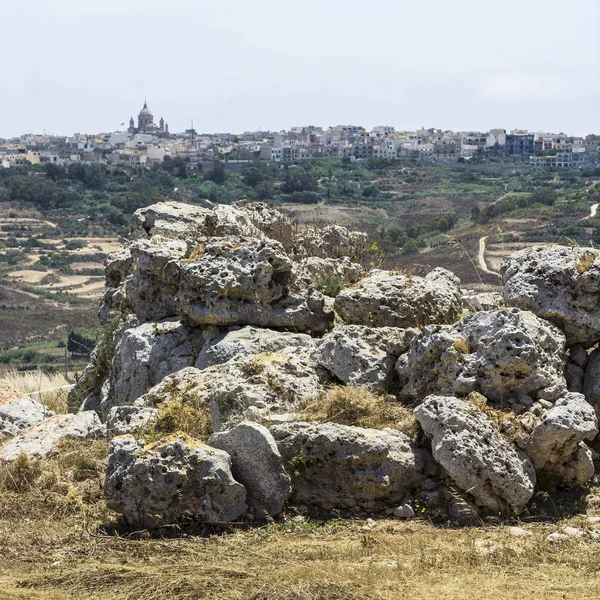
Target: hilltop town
[(147, 143)]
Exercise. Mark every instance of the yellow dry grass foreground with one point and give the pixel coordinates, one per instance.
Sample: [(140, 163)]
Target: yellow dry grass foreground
[(51, 387), (58, 541)]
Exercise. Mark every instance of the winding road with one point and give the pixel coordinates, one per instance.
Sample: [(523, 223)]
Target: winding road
[(481, 257), (593, 211)]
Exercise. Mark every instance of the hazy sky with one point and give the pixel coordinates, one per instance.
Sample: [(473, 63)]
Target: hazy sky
[(234, 65)]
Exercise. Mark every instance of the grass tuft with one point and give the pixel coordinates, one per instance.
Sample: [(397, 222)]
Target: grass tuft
[(361, 408)]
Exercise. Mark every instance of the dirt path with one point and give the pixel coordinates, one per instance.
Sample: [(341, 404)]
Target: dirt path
[(593, 211), (481, 257)]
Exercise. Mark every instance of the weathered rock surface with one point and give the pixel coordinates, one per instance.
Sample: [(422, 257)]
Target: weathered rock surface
[(342, 269), (177, 220), (249, 340), (557, 283), (556, 443), (483, 301), (270, 222), (18, 414), (336, 466), (147, 354), (246, 281), (384, 299), (364, 356), (591, 380), (41, 440), (256, 464), (502, 354), (333, 241), (130, 419), (275, 382), (479, 461), (171, 481)]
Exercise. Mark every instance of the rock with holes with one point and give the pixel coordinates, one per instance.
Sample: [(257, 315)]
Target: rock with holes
[(335, 271), (502, 354), (180, 221), (333, 241), (475, 456), (557, 442), (19, 413), (387, 300), (257, 464), (150, 289), (274, 382), (270, 222), (42, 439), (225, 346), (351, 468), (364, 356), (130, 419), (246, 281), (147, 354), (174, 480), (557, 283)]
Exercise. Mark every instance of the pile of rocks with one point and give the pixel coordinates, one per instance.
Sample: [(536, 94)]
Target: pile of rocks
[(218, 309)]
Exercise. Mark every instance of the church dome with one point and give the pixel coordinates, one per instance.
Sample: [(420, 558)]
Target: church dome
[(145, 111)]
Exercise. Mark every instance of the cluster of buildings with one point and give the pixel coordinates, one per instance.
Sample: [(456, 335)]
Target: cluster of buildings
[(148, 143)]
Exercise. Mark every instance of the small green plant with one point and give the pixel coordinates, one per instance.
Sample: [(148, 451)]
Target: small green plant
[(301, 464), (329, 285)]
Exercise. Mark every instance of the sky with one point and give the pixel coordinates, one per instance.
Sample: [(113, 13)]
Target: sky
[(237, 65)]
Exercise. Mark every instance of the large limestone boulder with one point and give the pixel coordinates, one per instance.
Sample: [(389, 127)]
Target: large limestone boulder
[(560, 284), (557, 442), (150, 289), (17, 413), (270, 222), (364, 356), (246, 281), (145, 355), (271, 382), (171, 481), (503, 354), (332, 241), (337, 466), (42, 439), (340, 269), (257, 464), (177, 220), (475, 456), (591, 380), (246, 341), (384, 299)]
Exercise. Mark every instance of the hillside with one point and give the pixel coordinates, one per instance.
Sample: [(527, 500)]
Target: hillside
[(57, 225)]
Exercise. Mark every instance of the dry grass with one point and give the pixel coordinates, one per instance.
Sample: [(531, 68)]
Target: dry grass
[(585, 264), (191, 417), (47, 385), (506, 421), (461, 346), (59, 542), (361, 408)]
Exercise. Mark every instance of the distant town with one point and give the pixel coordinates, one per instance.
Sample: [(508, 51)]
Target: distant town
[(146, 143)]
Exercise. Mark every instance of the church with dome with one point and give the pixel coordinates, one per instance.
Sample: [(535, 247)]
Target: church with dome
[(146, 123)]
